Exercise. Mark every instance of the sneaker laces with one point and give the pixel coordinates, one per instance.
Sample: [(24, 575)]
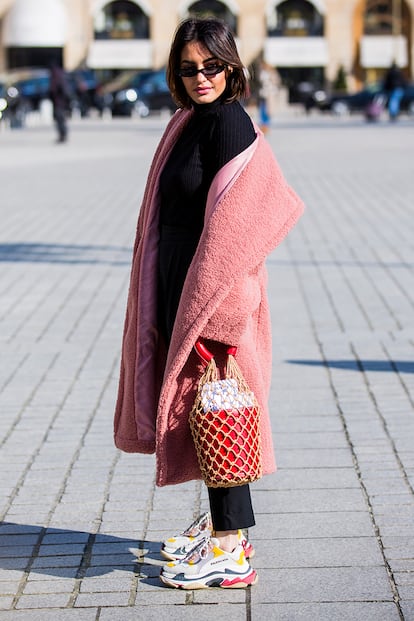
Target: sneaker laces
[(200, 524), (200, 551)]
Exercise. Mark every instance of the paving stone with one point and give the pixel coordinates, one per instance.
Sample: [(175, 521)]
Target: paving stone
[(56, 561), (310, 478), (16, 551), (332, 552), (53, 573), (104, 584), (406, 592), (51, 600), (51, 614), (322, 585), (404, 565), (54, 550), (231, 596), (38, 587), (308, 501), (314, 458), (404, 578), (123, 571), (162, 596), (6, 601), (178, 612), (9, 587), (86, 600), (407, 608), (318, 524), (340, 611)]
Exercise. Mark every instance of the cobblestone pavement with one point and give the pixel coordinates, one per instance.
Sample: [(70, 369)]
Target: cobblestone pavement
[(334, 534)]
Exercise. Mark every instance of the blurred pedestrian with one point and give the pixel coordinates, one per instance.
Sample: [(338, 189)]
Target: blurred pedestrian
[(82, 95), (215, 205), (393, 85), (60, 95), (268, 85)]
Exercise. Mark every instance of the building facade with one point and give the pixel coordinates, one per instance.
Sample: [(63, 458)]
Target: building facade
[(315, 40)]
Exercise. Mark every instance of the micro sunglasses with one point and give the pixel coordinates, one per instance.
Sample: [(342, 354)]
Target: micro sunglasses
[(209, 72)]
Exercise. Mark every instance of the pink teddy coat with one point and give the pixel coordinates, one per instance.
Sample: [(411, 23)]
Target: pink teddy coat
[(250, 208)]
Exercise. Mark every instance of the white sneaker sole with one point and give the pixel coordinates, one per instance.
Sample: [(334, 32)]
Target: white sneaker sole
[(225, 581)]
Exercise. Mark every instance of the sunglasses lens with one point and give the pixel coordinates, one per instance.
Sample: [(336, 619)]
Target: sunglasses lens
[(213, 70), (188, 73), (209, 72)]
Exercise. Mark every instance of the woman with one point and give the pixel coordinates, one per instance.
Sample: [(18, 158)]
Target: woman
[(215, 205)]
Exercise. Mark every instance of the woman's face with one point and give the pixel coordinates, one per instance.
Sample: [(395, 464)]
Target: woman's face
[(199, 88)]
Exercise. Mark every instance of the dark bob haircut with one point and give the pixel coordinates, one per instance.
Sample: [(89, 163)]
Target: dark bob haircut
[(216, 36)]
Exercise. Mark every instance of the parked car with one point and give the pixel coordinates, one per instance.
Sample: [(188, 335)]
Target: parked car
[(9, 102), (407, 102), (342, 104), (308, 94), (13, 107), (85, 89), (33, 86), (155, 94), (137, 93)]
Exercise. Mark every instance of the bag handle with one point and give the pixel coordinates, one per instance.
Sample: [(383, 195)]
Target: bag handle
[(207, 356)]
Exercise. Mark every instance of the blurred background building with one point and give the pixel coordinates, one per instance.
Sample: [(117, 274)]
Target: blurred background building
[(321, 42)]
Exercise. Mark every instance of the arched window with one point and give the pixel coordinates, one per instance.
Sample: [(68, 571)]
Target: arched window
[(378, 17), (295, 18), (121, 20), (213, 8), (385, 17)]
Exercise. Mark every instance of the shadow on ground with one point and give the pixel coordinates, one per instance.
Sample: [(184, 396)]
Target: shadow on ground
[(64, 253), (380, 366), (76, 554)]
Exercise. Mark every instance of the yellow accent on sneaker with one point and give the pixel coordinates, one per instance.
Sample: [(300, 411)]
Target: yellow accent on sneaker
[(174, 539), (241, 558)]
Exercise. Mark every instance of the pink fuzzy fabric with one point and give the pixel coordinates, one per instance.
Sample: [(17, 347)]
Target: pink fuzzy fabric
[(250, 209)]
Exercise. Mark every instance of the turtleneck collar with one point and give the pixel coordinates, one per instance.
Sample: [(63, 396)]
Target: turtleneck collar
[(207, 108)]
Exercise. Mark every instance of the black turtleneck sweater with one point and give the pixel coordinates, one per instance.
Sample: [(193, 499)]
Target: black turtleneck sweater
[(215, 134)]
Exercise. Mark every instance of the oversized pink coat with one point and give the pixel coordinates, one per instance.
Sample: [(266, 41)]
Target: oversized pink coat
[(250, 208)]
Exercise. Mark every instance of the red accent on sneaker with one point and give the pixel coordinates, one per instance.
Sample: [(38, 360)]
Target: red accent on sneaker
[(247, 580), (249, 550)]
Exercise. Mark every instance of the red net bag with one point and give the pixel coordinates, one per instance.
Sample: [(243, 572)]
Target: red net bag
[(224, 423)]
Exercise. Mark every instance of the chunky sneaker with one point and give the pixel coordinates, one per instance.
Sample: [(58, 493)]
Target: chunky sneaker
[(177, 547), (209, 566)]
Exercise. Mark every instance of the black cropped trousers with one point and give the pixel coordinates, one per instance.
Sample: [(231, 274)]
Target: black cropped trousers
[(231, 507)]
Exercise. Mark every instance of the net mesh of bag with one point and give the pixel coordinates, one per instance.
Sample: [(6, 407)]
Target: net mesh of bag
[(224, 423)]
